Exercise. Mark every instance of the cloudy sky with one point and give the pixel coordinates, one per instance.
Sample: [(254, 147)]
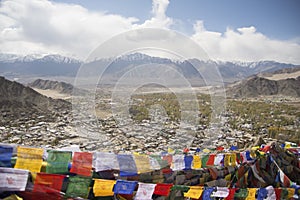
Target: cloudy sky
[(227, 30)]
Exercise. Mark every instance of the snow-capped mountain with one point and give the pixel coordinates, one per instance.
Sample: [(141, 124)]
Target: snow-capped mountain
[(57, 65)]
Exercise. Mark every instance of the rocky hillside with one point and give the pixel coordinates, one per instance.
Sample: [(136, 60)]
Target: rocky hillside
[(18, 100), (60, 87), (259, 86)]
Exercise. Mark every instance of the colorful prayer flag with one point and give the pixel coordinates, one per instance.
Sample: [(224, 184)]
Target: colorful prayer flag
[(103, 187), (105, 161), (29, 158), (13, 179), (145, 191), (188, 162), (82, 163), (127, 165), (5, 156), (48, 183), (194, 192), (78, 186), (124, 187), (251, 194), (58, 162), (162, 189), (142, 163), (178, 162), (196, 162)]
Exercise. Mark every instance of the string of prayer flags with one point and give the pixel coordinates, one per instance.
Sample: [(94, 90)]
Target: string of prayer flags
[(48, 183), (13, 179), (29, 158), (162, 189), (82, 163), (142, 163), (58, 162), (124, 187), (78, 186), (145, 191), (5, 156), (103, 161), (127, 165), (103, 187), (194, 192)]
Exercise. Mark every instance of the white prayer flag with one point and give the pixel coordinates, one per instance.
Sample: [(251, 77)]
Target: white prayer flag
[(105, 161), (145, 191), (221, 192), (178, 162), (13, 179)]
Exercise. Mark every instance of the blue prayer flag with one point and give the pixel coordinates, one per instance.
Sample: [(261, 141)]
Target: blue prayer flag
[(124, 187), (127, 165), (188, 162), (5, 156)]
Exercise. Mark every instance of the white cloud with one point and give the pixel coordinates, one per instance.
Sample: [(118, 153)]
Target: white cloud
[(159, 19), (40, 26), (245, 44)]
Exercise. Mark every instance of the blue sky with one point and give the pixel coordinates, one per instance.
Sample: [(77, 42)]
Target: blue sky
[(277, 19), (228, 30)]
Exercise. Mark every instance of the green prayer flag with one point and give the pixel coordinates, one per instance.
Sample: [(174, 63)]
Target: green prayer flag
[(58, 162), (204, 159), (241, 193), (78, 187)]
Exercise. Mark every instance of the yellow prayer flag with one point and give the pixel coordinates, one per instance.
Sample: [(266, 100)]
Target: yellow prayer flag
[(291, 192), (206, 150), (197, 162), (13, 197), (142, 163), (251, 194), (287, 145), (228, 177), (29, 158), (227, 160), (103, 187), (171, 151), (233, 159), (194, 192)]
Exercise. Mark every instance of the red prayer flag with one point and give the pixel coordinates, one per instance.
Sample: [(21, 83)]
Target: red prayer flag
[(211, 160), (162, 189), (82, 163), (231, 194), (49, 184), (220, 148)]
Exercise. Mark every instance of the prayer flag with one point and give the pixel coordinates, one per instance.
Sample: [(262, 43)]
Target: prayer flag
[(178, 162), (124, 187), (105, 161), (78, 186), (286, 182), (142, 163), (162, 189), (145, 191), (211, 160), (103, 187), (188, 162), (157, 162), (221, 192), (13, 179), (219, 160), (251, 194), (5, 156), (271, 193), (82, 163), (29, 158), (196, 162), (204, 159), (194, 192), (127, 165), (207, 193), (48, 183), (58, 162)]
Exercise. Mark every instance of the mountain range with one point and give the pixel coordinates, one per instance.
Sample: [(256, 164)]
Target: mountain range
[(14, 66)]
